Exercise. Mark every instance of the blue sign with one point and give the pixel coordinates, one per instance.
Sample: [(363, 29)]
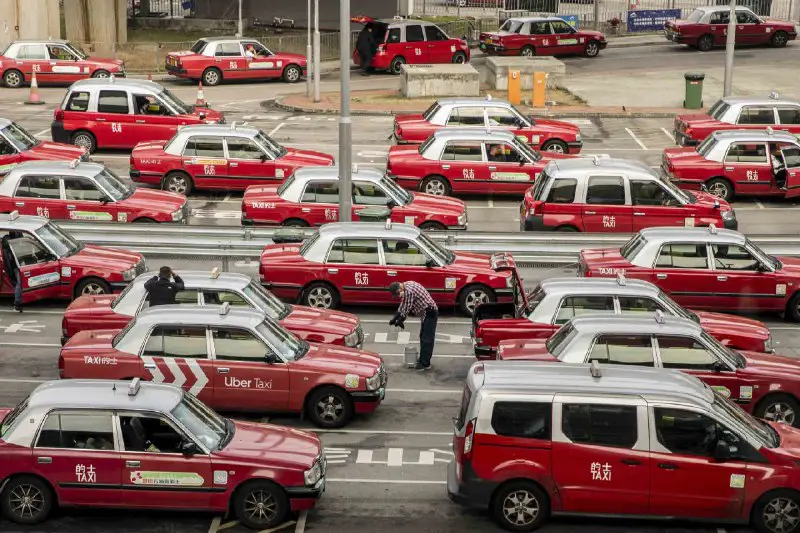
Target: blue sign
[(650, 19), (572, 20)]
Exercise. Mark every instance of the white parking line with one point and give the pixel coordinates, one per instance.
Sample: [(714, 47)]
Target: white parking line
[(668, 134), (40, 312), (490, 203), (427, 391), (42, 132), (635, 138), (386, 481), (759, 204), (21, 380), (455, 356), (32, 344), (383, 321), (276, 128), (214, 527), (387, 432), (301, 522)]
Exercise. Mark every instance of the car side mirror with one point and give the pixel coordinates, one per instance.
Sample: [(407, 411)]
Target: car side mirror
[(202, 116), (722, 452), (391, 204), (189, 448), (762, 268), (522, 162), (263, 158), (719, 367), (104, 200), (429, 263)]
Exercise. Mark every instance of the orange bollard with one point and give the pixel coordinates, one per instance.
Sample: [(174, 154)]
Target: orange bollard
[(514, 84), (33, 97), (539, 89), (201, 99)]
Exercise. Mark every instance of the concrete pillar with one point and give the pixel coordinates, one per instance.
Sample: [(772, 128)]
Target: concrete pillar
[(9, 31), (53, 19), (103, 26), (76, 21), (122, 21)]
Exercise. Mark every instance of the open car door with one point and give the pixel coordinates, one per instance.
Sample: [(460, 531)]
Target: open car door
[(791, 157)]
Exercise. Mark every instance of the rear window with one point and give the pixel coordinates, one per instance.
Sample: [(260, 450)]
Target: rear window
[(526, 420), (12, 417), (696, 16), (199, 46), (428, 114), (632, 248), (466, 397), (718, 110), (561, 339), (286, 184)]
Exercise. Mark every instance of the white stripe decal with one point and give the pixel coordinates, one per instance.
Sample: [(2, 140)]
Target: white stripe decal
[(66, 70), (262, 65), (158, 377), (200, 384), (180, 378)]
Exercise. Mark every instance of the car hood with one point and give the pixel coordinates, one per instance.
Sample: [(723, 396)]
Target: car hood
[(154, 200), (272, 444), (778, 366), (3, 413), (706, 199), (307, 158), (326, 358), (91, 304), (789, 265), (291, 57), (556, 125), (106, 60), (212, 115), (103, 259), (439, 205), (733, 325), (525, 350), (591, 34), (54, 151), (472, 261), (320, 320), (94, 339)]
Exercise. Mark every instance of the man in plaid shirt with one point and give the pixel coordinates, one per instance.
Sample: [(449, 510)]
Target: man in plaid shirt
[(416, 301)]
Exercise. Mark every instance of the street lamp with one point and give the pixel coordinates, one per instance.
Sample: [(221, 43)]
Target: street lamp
[(241, 30), (308, 52), (345, 125), (730, 46), (317, 51)]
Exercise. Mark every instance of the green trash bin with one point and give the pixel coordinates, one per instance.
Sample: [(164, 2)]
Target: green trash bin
[(373, 214), (694, 90)]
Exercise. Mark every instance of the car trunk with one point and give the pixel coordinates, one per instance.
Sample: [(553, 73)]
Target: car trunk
[(488, 311), (379, 29)]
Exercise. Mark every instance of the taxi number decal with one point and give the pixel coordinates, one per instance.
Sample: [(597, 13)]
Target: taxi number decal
[(605, 271), (746, 392), (609, 221), (85, 474), (122, 217), (182, 479), (418, 51), (688, 222), (780, 289), (43, 212), (351, 381), (66, 272), (279, 173), (510, 176), (209, 170), (452, 48), (37, 68), (410, 220), (737, 481), (362, 278), (43, 279), (600, 472), (752, 175), (469, 174), (262, 205), (255, 383), (116, 127), (546, 42), (220, 477), (233, 65), (582, 39), (331, 214), (450, 283), (99, 360)]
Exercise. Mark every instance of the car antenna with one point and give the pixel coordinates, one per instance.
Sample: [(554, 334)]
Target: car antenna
[(774, 95), (74, 163)]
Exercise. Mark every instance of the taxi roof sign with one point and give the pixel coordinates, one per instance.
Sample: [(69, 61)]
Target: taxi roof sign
[(621, 279), (13, 215), (74, 163), (770, 131), (388, 224), (215, 273), (233, 125), (225, 308), (712, 229), (594, 368), (133, 388), (774, 95), (488, 97)]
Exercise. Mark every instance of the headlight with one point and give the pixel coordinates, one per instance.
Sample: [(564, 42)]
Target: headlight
[(129, 274), (351, 339), (578, 137), (177, 215), (314, 474), (462, 219), (728, 215), (769, 345), (509, 282), (374, 382)]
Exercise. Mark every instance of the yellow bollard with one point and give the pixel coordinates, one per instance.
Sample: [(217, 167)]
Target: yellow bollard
[(514, 83), (539, 89)]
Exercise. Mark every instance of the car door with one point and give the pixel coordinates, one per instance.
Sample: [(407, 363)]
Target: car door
[(75, 452), (115, 125), (370, 195), (248, 374), (9, 156), (40, 196), (319, 203), (567, 41), (749, 29), (510, 172), (77, 115), (685, 478), (406, 261), (599, 455), (463, 164), (260, 63), (542, 38), (156, 473), (654, 205), (249, 164), (230, 59), (742, 282), (33, 57), (353, 266), (65, 65), (153, 119), (415, 49), (440, 47), (39, 268), (205, 160), (789, 118), (719, 26), (682, 270), (791, 158), (606, 209), (748, 166), (85, 201)]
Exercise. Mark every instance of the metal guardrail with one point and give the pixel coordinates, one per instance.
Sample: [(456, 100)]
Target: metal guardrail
[(229, 242)]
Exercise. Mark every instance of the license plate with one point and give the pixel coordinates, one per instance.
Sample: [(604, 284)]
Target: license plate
[(483, 46), (382, 392)]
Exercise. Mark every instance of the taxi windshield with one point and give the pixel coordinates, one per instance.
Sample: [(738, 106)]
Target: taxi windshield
[(676, 309), (440, 254), (206, 425), (745, 423), (19, 138), (632, 248), (59, 242), (176, 103), (512, 26), (111, 184), (705, 147), (696, 16), (266, 301), (395, 190), (10, 418), (718, 110), (529, 152), (275, 149), (559, 340), (772, 262), (671, 187), (77, 50), (286, 344)]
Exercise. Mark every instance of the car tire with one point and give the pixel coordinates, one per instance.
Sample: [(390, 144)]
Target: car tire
[(779, 408), (329, 407), (472, 296), (779, 39), (432, 226), (527, 51), (13, 79), (459, 58), (177, 182), (39, 494), (212, 76), (321, 296), (567, 229), (100, 73), (555, 146), (84, 139), (295, 223), (145, 220), (292, 74), (396, 66), (705, 43), (721, 188), (781, 499), (592, 49), (92, 287), (793, 308), (260, 505), (435, 185), (517, 496)]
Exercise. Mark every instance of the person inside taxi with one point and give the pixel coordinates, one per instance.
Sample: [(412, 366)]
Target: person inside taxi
[(161, 289), (500, 153), (778, 165), (415, 300), (250, 51), (11, 267)]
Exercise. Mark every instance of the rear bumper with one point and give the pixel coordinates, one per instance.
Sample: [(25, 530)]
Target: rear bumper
[(135, 174), (533, 223), (674, 37), (574, 147), (681, 139), (484, 352), (175, 71), (59, 133), (469, 493)]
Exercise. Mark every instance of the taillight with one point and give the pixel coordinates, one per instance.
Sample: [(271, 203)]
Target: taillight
[(61, 366), (59, 115), (382, 48), (469, 433)]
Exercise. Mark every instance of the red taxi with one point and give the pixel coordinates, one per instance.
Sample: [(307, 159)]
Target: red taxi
[(18, 145), (310, 197), (62, 190), (738, 113), (738, 163), (415, 42), (541, 36), (704, 268), (455, 161), (614, 196), (234, 359), (553, 302), (543, 134), (707, 27), (214, 60), (145, 446), (229, 158), (54, 265), (354, 263), (53, 61), (120, 113), (201, 288)]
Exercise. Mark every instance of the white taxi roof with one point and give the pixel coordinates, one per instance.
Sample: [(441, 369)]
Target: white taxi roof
[(633, 324), (22, 223), (754, 135), (204, 279), (630, 286), (305, 174), (103, 394), (203, 315), (697, 234), (476, 134), (123, 83), (228, 130), (48, 168), (368, 230), (535, 19), (5, 122)]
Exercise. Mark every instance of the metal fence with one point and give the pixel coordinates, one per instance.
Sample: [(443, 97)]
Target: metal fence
[(162, 8)]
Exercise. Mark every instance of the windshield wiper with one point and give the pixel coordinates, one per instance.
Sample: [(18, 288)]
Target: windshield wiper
[(230, 429), (302, 351), (287, 310)]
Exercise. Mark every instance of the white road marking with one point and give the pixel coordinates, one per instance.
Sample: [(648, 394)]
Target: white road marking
[(45, 312), (213, 528), (668, 134), (278, 528), (435, 355), (386, 432), (383, 321), (31, 344), (385, 481), (227, 198), (426, 391), (22, 380), (490, 203), (635, 138), (759, 204), (276, 128), (42, 132), (404, 337), (301, 522)]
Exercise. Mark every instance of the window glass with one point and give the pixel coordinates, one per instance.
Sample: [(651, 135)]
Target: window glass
[(559, 26), (623, 350), (511, 26), (696, 15), (113, 102), (32, 51), (502, 153), (403, 253), (78, 101), (559, 340), (573, 306), (82, 190), (632, 248), (605, 190), (393, 36), (204, 147), (434, 107), (176, 341), (233, 344), (640, 304), (601, 425), (29, 251), (228, 50), (746, 17), (60, 53), (789, 115), (11, 418), (20, 138), (147, 104), (684, 353), (257, 49), (433, 33), (149, 434), (463, 151), (502, 116), (112, 184), (689, 433), (39, 187), (239, 148), (466, 397), (757, 115), (354, 251), (650, 193), (525, 29), (6, 148), (321, 192), (679, 255), (562, 191), (718, 110), (369, 194), (73, 430), (214, 297), (527, 420), (199, 46), (720, 17), (414, 34), (540, 28), (791, 157), (466, 116), (733, 257), (202, 422)]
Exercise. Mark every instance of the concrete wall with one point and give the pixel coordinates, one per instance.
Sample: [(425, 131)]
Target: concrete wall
[(422, 81), (28, 19), (496, 72)]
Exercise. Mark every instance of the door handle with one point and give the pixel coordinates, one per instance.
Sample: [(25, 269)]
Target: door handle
[(149, 365), (668, 466), (306, 210), (661, 276), (333, 271), (591, 212), (101, 120), (492, 168), (19, 204), (392, 273), (729, 169), (639, 214), (70, 207), (234, 164), (446, 167), (631, 462), (44, 460), (722, 278), (140, 121), (223, 370), (132, 464)]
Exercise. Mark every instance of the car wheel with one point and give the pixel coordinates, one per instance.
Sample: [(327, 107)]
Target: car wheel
[(721, 188), (706, 43), (555, 146), (779, 408), (459, 58), (435, 185), (592, 49), (432, 226), (793, 308), (329, 408), (473, 296), (777, 512), (212, 76), (101, 74), (527, 51), (27, 500), (177, 182), (292, 74), (779, 39), (295, 223), (321, 296), (520, 506), (397, 65), (85, 140), (567, 229), (92, 287), (13, 79), (261, 505)]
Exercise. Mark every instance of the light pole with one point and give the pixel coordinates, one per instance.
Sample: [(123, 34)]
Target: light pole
[(730, 45), (241, 31), (317, 51), (345, 125), (309, 58)]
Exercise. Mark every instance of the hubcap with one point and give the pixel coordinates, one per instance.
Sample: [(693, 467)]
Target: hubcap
[(591, 49), (527, 52), (320, 297), (780, 39), (26, 501), (780, 412), (12, 78), (718, 189), (330, 408), (398, 67), (292, 74), (435, 187), (83, 140), (781, 515), (103, 74), (260, 507), (475, 298), (459, 58), (211, 77), (93, 289), (520, 508), (555, 147), (177, 184)]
